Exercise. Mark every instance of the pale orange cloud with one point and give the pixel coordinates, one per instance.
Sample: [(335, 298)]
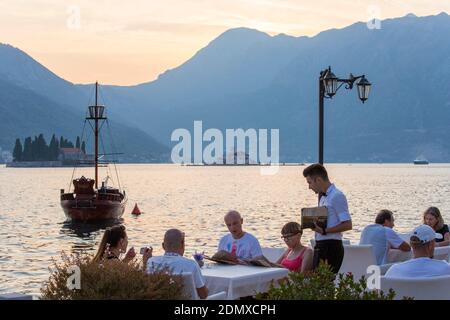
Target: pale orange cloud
[(131, 42)]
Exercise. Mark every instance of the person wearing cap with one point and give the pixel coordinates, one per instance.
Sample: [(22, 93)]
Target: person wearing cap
[(422, 240), (329, 247)]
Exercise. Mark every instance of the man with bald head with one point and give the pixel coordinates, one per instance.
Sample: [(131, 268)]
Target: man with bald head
[(173, 259), (241, 244)]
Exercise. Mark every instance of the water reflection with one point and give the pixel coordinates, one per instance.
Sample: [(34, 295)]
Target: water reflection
[(195, 199), (86, 232)]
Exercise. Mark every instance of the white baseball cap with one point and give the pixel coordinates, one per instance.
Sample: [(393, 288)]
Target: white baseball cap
[(425, 234)]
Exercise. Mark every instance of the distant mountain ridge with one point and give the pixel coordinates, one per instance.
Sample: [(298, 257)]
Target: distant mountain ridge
[(246, 78), (34, 100)]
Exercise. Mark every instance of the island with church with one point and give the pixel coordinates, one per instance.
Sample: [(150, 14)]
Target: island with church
[(36, 153)]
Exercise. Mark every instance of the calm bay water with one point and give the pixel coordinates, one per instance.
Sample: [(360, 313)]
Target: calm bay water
[(33, 228)]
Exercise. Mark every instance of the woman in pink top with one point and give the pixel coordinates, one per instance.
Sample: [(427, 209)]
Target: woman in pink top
[(297, 258)]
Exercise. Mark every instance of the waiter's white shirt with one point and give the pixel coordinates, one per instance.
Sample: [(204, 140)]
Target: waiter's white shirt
[(337, 207)]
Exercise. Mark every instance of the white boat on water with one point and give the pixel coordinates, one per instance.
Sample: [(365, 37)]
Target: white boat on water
[(421, 161)]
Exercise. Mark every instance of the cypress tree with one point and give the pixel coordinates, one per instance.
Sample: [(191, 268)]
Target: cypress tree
[(83, 147), (17, 153), (77, 145), (34, 149), (27, 152), (57, 149), (53, 149), (42, 149)]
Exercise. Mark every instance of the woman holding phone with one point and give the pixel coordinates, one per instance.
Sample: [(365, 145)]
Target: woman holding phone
[(114, 243)]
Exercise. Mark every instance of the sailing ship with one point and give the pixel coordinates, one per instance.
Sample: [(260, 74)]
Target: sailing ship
[(87, 202)]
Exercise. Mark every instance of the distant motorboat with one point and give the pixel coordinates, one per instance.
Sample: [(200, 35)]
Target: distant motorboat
[(421, 161)]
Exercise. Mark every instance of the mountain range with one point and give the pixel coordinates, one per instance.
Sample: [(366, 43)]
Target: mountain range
[(34, 100), (248, 79)]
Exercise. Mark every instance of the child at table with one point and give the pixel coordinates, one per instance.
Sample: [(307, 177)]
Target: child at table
[(297, 257)]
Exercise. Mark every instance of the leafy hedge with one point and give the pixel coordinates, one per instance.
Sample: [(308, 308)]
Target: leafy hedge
[(109, 280), (322, 284)]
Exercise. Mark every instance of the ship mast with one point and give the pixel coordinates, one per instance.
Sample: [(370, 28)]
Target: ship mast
[(96, 113), (96, 136)]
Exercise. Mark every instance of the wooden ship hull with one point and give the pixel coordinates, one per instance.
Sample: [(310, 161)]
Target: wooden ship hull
[(93, 210), (87, 204)]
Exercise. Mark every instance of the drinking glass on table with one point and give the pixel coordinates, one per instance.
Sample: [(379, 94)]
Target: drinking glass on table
[(199, 257)]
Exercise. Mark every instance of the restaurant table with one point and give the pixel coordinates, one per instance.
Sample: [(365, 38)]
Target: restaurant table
[(240, 281), (397, 255)]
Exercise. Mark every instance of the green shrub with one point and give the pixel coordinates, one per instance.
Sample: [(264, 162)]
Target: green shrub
[(321, 285), (109, 280), (349, 289)]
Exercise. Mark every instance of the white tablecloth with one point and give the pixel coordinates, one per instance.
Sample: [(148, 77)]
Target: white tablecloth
[(397, 255), (240, 281)]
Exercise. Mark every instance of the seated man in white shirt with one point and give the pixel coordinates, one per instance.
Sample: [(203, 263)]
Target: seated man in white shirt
[(382, 236), (173, 259), (239, 243), (422, 265)]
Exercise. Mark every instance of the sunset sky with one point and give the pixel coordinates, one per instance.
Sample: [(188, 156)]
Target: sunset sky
[(130, 42)]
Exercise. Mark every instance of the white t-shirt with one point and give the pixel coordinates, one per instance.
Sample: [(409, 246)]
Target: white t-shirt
[(337, 207), (393, 238), (247, 247), (375, 234), (381, 238), (419, 268), (178, 265)]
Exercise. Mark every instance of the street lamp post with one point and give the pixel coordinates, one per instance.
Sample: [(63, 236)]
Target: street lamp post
[(328, 86)]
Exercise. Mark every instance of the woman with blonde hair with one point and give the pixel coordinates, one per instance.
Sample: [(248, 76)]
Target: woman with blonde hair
[(432, 217), (297, 257)]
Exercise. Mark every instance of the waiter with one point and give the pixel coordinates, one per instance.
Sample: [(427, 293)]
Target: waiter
[(328, 238)]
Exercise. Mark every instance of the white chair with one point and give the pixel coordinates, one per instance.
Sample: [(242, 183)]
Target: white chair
[(385, 267), (356, 260), (273, 254), (432, 288), (442, 253), (190, 290), (17, 296)]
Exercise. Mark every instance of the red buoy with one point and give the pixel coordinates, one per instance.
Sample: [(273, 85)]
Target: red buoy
[(136, 210)]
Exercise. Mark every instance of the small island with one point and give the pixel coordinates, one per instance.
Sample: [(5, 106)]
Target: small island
[(35, 152)]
